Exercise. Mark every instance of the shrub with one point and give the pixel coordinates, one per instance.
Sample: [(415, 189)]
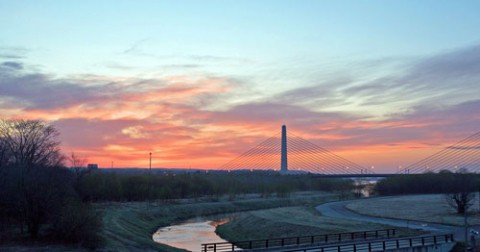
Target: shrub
[(78, 223)]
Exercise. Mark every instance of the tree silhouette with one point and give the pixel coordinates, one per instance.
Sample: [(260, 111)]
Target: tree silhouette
[(37, 190), (461, 191)]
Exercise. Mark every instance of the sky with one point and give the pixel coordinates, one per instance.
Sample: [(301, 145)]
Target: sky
[(197, 83)]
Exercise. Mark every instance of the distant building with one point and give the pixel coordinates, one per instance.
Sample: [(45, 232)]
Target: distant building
[(92, 166)]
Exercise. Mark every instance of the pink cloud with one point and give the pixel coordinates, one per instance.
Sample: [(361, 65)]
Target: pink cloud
[(123, 119)]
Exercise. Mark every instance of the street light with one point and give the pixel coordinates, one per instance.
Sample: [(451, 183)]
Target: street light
[(150, 163)]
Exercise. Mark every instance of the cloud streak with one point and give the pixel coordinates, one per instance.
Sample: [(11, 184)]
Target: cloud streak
[(447, 76), (191, 120), (13, 53)]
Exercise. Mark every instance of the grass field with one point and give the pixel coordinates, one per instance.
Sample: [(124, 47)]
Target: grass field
[(129, 226), (427, 208), (291, 222)]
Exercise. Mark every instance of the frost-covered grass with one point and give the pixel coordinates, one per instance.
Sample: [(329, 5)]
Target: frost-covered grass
[(129, 226), (426, 208), (291, 222)]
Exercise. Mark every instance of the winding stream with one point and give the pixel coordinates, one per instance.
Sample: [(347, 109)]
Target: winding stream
[(192, 233)]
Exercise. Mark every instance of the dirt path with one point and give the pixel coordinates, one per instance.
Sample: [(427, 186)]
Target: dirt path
[(338, 210)]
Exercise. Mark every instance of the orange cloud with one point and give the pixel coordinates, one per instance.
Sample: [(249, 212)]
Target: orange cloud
[(122, 120)]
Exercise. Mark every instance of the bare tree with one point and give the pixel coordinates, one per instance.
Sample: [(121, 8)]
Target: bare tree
[(461, 192), (30, 150), (30, 143), (3, 162), (77, 164), (4, 218), (37, 191), (461, 201), (3, 153)]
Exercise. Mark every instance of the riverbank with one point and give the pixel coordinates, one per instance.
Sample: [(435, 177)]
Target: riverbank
[(292, 222), (129, 226)]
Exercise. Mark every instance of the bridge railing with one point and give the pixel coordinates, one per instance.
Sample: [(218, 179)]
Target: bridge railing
[(380, 245), (297, 241)]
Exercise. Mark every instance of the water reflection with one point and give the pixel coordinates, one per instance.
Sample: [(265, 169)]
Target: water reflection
[(191, 234), (364, 186)]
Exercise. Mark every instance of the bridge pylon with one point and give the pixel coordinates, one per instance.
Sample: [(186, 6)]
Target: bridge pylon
[(284, 153), (293, 155)]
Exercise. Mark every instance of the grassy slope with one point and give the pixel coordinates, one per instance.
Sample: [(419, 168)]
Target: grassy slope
[(291, 222), (129, 226), (428, 208)]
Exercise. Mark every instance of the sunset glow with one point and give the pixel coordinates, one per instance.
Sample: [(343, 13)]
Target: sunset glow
[(198, 84)]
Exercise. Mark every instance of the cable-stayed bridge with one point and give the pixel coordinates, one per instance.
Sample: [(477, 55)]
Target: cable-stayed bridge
[(291, 154), (462, 156)]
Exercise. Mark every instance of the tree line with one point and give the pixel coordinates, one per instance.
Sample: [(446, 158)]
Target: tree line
[(38, 196), (111, 186), (45, 194)]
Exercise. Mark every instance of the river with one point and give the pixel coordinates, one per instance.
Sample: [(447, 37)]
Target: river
[(191, 233)]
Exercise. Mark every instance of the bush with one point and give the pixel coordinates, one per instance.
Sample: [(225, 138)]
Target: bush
[(78, 223)]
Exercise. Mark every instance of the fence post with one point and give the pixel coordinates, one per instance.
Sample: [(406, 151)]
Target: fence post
[(354, 247), (312, 240), (266, 243), (369, 247), (364, 235), (398, 244), (384, 245), (250, 244), (423, 241), (410, 242), (214, 247), (233, 247), (376, 233), (298, 240), (435, 239)]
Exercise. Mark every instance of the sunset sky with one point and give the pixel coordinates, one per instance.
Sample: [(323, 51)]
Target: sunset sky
[(197, 83)]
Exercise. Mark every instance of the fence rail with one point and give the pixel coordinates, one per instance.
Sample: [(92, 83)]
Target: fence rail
[(368, 246), (300, 240)]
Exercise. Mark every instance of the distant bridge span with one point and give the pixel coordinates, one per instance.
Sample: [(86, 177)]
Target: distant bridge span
[(357, 175), (291, 154)]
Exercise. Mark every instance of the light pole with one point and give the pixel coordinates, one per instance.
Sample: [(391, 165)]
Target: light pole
[(150, 163)]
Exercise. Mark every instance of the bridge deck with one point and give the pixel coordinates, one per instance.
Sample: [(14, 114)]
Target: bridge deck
[(364, 175)]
